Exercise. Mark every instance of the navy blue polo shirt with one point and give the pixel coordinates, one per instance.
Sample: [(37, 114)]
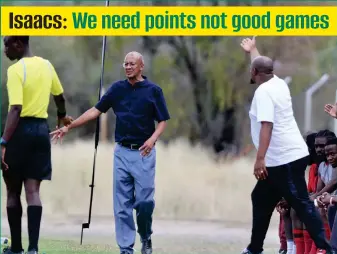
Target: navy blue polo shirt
[(137, 107)]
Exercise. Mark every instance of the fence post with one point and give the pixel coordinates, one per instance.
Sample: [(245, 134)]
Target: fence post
[(308, 100), (335, 120)]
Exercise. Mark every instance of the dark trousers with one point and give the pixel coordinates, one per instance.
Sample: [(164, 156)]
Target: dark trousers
[(331, 215), (333, 225), (286, 181)]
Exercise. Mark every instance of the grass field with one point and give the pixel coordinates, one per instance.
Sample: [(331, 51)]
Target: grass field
[(201, 206), (48, 246), (63, 246)]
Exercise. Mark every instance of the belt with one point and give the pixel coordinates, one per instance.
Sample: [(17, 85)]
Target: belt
[(131, 146)]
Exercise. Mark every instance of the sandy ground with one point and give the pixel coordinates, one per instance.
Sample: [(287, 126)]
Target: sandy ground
[(179, 236)]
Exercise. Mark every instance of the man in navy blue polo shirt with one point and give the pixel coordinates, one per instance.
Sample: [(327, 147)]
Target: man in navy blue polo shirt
[(137, 103)]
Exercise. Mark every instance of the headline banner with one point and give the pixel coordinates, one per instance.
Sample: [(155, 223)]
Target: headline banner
[(169, 21)]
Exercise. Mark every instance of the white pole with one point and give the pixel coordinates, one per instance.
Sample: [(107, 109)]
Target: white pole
[(308, 100), (335, 121), (288, 80)]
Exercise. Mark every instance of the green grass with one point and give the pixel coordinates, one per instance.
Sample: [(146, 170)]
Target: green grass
[(49, 246)]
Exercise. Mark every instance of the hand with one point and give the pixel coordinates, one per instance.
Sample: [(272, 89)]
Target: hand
[(282, 207), (331, 110), (325, 198), (260, 170), (248, 44), (147, 147), (64, 120), (320, 204), (312, 197), (279, 209), (58, 134), (284, 211), (4, 165), (283, 203)]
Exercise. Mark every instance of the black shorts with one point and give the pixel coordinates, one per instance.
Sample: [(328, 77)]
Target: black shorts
[(28, 152)]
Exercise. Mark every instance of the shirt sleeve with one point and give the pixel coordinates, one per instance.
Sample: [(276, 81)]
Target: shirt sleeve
[(107, 100), (56, 88), (14, 87), (161, 111), (319, 171), (264, 107)]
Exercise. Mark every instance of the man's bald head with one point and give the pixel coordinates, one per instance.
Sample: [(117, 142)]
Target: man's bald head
[(263, 64), (135, 56), (133, 64), (262, 69)]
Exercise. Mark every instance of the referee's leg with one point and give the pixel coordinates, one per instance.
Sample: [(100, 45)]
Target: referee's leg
[(296, 193), (37, 168), (264, 200), (14, 210), (34, 212)]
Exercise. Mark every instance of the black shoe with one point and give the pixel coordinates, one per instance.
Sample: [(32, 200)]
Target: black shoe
[(32, 252), (8, 251), (282, 251), (147, 247)]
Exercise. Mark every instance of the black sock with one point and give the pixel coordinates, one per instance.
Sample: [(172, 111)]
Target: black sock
[(14, 215), (34, 214)]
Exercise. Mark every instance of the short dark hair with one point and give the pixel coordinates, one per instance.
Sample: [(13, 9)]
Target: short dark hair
[(325, 133), (23, 39), (331, 141), (310, 139)]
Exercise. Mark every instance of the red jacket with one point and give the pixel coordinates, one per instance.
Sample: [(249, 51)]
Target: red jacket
[(313, 178)]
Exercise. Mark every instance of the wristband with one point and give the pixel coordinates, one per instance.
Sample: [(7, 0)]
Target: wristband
[(315, 202), (60, 114), (3, 142), (331, 198)]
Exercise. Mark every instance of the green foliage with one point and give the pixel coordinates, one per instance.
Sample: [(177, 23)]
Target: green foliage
[(201, 77)]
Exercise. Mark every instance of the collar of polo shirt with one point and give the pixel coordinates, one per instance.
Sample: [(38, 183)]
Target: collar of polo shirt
[(139, 83)]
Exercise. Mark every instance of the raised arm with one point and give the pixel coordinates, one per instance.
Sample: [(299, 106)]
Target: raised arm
[(249, 45), (331, 110)]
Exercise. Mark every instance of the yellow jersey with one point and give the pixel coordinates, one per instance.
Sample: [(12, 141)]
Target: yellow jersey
[(30, 81)]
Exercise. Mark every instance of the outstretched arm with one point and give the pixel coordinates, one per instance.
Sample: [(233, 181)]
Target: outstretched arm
[(87, 116), (101, 107)]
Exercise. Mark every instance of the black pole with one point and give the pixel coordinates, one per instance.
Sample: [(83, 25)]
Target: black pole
[(87, 225)]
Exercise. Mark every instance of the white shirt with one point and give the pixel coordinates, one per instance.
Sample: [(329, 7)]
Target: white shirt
[(272, 103)]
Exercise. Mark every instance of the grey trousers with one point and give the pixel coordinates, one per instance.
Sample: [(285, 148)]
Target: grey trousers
[(133, 188)]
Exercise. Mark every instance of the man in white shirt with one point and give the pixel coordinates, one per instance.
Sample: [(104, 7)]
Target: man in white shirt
[(282, 155)]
